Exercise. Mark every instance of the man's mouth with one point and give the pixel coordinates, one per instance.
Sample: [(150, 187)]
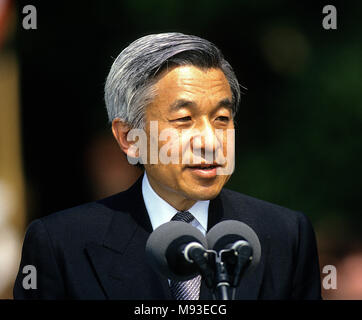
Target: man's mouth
[(204, 166), (203, 170)]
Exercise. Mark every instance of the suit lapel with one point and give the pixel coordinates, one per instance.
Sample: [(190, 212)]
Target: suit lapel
[(119, 260)]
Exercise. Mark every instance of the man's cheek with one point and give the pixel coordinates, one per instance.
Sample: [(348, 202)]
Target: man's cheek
[(229, 158), (169, 152)]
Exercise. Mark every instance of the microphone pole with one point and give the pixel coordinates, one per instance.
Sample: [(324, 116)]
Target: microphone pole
[(222, 280)]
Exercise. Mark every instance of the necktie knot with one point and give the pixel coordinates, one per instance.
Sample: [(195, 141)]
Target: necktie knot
[(185, 290), (184, 216)]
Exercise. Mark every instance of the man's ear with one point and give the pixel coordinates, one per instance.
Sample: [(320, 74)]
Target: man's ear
[(120, 131)]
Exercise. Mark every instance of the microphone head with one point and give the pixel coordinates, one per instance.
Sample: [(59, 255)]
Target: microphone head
[(226, 233), (163, 250)]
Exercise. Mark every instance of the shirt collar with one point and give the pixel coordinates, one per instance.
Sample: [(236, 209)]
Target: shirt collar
[(161, 212)]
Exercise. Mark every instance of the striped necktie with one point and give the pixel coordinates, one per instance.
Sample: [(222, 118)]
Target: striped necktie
[(185, 290)]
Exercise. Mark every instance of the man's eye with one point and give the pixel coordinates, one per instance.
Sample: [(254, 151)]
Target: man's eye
[(183, 119), (223, 118)]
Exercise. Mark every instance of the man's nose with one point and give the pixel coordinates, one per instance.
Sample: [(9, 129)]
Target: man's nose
[(205, 141)]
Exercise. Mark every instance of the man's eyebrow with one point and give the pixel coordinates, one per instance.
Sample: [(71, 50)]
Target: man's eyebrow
[(181, 103), (226, 103)]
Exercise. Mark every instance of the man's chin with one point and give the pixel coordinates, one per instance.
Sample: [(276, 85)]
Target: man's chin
[(204, 195)]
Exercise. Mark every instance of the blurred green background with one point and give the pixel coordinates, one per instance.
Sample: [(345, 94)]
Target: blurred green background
[(299, 125)]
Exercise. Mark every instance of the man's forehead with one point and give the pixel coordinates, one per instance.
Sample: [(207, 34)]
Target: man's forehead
[(183, 75), (184, 82)]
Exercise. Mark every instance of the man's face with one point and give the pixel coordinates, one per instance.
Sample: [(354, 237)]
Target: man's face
[(189, 100)]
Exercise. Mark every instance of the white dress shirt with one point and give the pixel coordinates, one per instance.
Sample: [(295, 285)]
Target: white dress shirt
[(161, 212)]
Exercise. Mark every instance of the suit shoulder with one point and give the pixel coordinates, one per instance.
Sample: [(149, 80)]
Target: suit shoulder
[(265, 210), (86, 221), (286, 228), (81, 213)]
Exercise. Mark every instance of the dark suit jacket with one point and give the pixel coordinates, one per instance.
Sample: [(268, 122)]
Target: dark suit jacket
[(96, 251)]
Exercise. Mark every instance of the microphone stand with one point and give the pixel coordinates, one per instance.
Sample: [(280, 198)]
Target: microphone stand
[(224, 271), (213, 271), (222, 283), (229, 266)]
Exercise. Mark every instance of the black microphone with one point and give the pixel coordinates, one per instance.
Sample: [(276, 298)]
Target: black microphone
[(233, 234), (177, 250), (239, 249)]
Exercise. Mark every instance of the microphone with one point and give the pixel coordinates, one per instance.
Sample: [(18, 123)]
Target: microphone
[(236, 235), (239, 249), (177, 251)]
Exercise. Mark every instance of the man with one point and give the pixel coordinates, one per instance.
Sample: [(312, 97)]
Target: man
[(181, 85)]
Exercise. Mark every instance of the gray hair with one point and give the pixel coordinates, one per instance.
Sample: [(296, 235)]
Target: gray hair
[(130, 83)]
